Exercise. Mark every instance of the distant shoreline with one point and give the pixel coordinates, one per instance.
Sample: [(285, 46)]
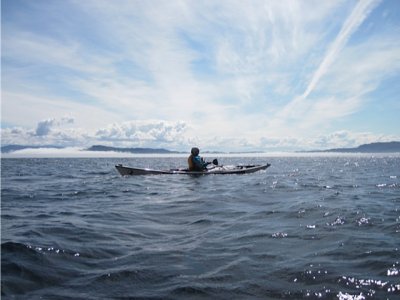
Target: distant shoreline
[(82, 154), (107, 151), (381, 147)]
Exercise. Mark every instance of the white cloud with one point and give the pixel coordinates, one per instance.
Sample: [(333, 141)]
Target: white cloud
[(59, 132), (44, 127), (145, 133)]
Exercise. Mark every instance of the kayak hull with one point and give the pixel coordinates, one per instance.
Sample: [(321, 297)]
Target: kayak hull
[(221, 170)]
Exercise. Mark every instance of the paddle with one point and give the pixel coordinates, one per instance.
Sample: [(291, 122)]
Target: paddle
[(214, 162)]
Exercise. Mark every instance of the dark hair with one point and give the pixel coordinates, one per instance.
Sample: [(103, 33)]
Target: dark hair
[(195, 151)]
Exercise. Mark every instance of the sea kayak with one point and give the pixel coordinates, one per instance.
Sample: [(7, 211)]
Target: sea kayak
[(240, 169)]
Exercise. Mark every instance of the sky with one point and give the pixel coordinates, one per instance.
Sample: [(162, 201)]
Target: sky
[(220, 75)]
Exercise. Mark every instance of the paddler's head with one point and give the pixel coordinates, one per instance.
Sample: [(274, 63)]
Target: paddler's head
[(195, 151)]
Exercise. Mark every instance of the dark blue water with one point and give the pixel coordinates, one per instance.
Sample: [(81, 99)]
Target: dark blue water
[(307, 227)]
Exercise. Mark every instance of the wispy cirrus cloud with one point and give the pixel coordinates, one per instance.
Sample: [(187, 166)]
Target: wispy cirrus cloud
[(356, 18), (319, 109)]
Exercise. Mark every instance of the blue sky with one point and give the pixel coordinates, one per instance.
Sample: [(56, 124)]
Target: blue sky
[(222, 75)]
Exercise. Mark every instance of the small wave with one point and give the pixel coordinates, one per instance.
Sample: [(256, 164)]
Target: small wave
[(253, 236), (8, 217), (25, 269), (201, 222), (99, 173), (394, 270), (363, 221), (387, 185), (372, 286), (136, 276), (31, 252), (11, 247), (338, 221), (189, 291), (279, 235), (312, 274), (347, 296)]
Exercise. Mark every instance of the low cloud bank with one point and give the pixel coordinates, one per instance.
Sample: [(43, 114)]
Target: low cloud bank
[(61, 133), (177, 136), (74, 152)]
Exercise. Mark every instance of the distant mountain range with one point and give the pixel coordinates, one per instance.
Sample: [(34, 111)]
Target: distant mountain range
[(386, 147)]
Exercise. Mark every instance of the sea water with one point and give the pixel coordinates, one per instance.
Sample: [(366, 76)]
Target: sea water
[(307, 227)]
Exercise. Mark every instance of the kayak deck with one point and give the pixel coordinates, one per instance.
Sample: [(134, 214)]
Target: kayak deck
[(241, 169)]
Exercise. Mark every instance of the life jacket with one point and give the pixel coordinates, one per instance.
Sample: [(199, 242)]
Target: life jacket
[(192, 166), (195, 165)]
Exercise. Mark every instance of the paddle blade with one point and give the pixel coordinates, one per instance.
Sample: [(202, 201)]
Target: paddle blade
[(215, 162)]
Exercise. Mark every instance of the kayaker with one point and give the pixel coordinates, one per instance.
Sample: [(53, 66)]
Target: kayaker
[(195, 161)]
